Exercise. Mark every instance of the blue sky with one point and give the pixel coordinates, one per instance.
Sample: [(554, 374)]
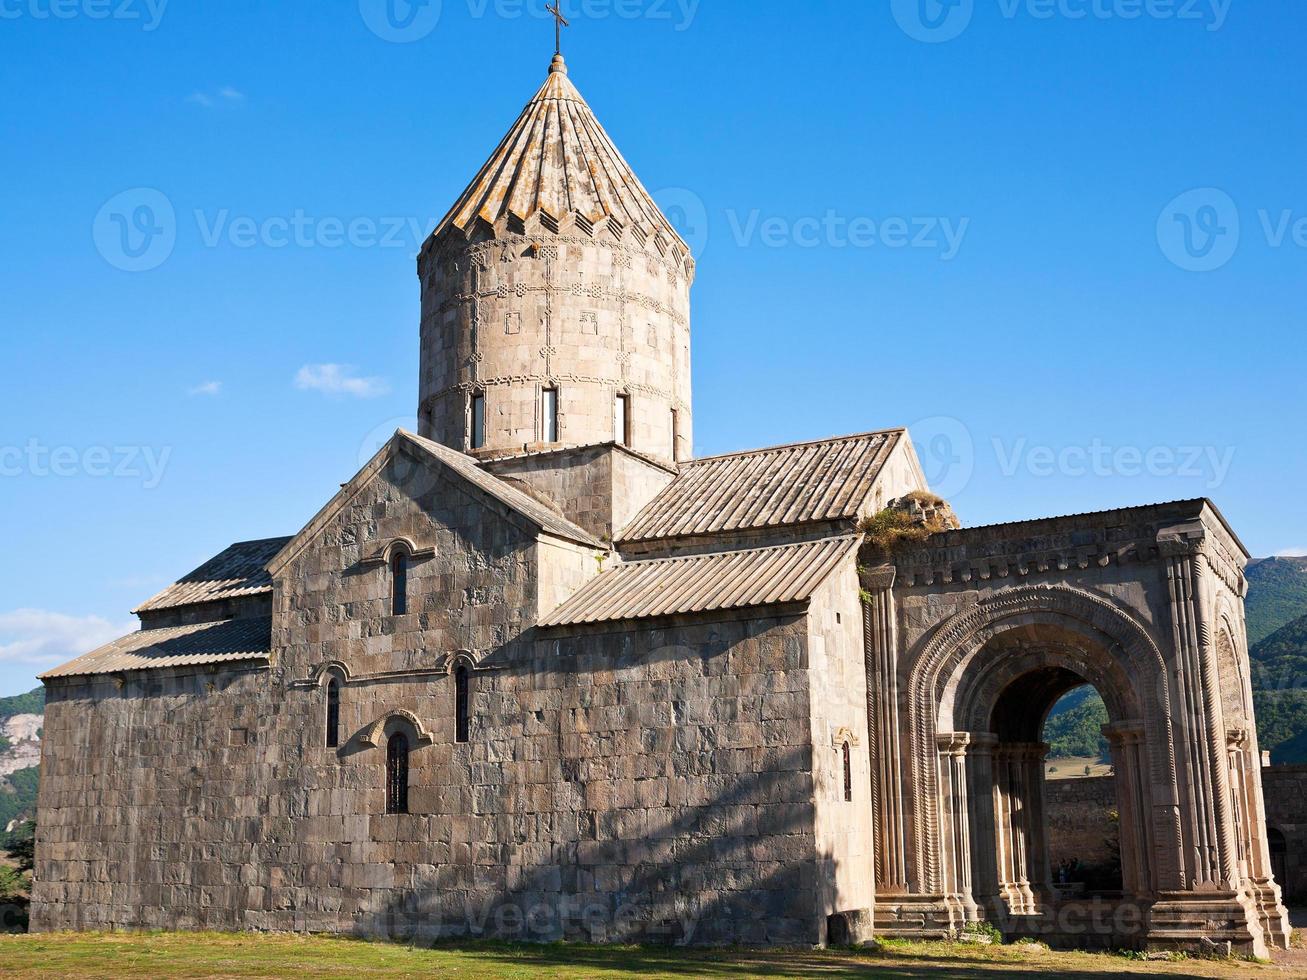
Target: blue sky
[(1065, 240)]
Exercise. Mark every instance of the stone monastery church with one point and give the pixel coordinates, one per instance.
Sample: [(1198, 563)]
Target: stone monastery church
[(535, 672)]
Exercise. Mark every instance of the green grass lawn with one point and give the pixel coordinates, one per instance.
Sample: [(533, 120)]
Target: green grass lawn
[(123, 955)]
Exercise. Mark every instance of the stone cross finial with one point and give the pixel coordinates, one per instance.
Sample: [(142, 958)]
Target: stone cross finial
[(559, 23)]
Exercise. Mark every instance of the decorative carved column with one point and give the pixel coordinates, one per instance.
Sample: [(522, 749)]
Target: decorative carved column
[(1013, 802), (953, 782), (1129, 761), (1196, 714), (1255, 858), (889, 765), (984, 849)]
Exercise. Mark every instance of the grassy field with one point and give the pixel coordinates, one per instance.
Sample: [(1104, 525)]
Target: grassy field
[(1074, 768), (121, 955)]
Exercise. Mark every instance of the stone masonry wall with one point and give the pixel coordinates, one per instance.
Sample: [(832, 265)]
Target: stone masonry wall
[(643, 784), (1078, 810), (1080, 819), (151, 801)]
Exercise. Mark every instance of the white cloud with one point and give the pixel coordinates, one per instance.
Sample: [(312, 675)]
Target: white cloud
[(36, 636), (339, 379), (1292, 553), (208, 100), (207, 388)]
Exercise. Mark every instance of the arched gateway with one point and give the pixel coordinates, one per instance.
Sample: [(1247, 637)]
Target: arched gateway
[(970, 643)]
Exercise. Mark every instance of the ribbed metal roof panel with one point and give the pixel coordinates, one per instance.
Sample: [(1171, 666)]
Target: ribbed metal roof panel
[(705, 583), (784, 485), (176, 646), (240, 570)]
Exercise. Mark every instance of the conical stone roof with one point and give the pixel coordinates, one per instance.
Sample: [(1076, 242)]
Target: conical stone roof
[(558, 163)]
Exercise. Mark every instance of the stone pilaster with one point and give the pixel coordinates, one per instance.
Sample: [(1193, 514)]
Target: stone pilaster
[(881, 651)]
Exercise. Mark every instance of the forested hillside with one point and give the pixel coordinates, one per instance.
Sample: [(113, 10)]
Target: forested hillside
[(20, 738)]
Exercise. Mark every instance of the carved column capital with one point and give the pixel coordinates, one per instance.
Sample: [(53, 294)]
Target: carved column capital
[(1124, 732), (953, 743), (878, 577)]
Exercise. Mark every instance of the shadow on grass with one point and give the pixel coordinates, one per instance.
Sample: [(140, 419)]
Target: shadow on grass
[(912, 962)]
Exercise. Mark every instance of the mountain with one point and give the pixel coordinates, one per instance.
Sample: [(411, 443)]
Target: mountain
[(1277, 595), (20, 754)]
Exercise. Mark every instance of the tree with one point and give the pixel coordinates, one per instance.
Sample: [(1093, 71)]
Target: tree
[(22, 846)]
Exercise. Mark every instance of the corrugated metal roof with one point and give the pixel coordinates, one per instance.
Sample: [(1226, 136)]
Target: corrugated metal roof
[(558, 160), (238, 571), (704, 583), (176, 646), (524, 503), (794, 484)]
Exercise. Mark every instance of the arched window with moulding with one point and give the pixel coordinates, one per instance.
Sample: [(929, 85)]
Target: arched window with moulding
[(399, 583), (397, 773), (333, 713)]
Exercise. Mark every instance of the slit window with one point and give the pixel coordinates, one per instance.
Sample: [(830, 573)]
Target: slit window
[(676, 436), (333, 713), (848, 774), (399, 584), (622, 420), (549, 415), (461, 698), (477, 437), (397, 773)]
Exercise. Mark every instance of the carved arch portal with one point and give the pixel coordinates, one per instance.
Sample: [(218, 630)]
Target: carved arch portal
[(1027, 645), (961, 824)]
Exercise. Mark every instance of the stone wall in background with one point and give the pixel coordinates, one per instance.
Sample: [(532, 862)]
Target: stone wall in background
[(1079, 817)]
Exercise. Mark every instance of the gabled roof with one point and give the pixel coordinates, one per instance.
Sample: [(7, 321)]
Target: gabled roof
[(705, 583), (534, 511), (240, 570), (176, 646), (557, 160), (531, 507), (799, 483)]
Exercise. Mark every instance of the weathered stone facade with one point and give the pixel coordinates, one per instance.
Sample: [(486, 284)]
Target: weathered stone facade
[(516, 679)]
